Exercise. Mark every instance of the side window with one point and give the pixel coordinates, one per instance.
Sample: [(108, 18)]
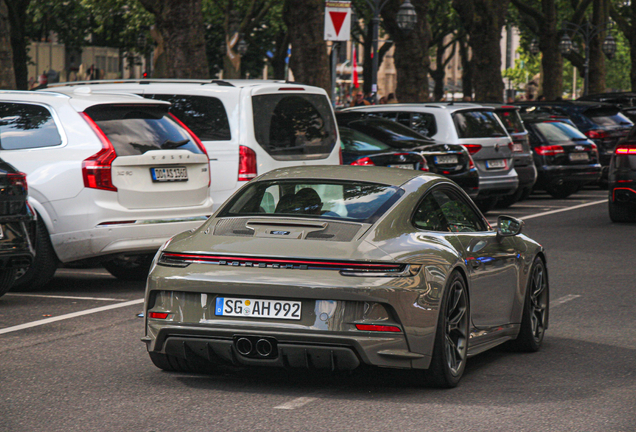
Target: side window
[(204, 115), (429, 215), (459, 216), (270, 199), (423, 123), (26, 126)]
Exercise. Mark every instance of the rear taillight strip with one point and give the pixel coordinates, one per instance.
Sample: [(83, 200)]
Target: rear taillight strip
[(183, 259)]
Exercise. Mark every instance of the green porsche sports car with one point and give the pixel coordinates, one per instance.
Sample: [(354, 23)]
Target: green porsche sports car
[(331, 267)]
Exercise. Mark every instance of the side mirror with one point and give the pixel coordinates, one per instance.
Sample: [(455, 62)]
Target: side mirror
[(507, 226)]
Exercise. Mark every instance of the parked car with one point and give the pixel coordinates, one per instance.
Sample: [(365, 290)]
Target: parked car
[(523, 160), (334, 267), (622, 181), (450, 160), (565, 159), (475, 127), (110, 176), (248, 127), (603, 123), (17, 224)]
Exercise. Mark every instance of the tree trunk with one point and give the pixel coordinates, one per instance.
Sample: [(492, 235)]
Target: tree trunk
[(7, 76), (439, 73), (17, 18), (483, 20), (600, 16), (467, 66), (180, 23), (552, 62), (309, 61), (411, 52), (278, 61)]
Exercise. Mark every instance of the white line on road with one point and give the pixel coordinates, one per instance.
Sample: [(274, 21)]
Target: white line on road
[(64, 297), (563, 299), (562, 210), (70, 315), (296, 403), (75, 272)]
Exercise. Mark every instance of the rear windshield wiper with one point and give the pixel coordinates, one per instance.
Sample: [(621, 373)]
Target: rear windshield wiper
[(169, 144)]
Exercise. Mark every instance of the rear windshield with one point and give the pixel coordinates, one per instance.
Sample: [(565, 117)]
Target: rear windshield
[(392, 133), (608, 117), (26, 126), (294, 126), (478, 124), (204, 115), (558, 131), (136, 129), (511, 120), (354, 141), (361, 202)]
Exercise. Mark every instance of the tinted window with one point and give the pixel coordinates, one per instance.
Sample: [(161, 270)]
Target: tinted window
[(391, 133), (459, 216), (136, 129), (343, 200), (608, 117), (294, 126), (511, 120), (429, 216), (205, 116), (354, 141), (478, 124), (25, 126), (420, 122), (557, 131)]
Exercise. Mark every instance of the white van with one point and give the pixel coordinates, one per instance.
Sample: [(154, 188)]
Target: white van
[(248, 127)]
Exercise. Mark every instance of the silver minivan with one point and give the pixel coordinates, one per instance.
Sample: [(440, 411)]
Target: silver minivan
[(474, 126)]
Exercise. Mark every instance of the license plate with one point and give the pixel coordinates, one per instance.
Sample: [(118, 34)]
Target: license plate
[(496, 163), (255, 308), (517, 148), (169, 174), (446, 160), (575, 157), (402, 166)]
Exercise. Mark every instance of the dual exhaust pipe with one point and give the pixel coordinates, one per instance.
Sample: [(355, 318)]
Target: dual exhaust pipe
[(256, 347)]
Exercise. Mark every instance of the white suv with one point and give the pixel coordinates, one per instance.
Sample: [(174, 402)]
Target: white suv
[(110, 176), (248, 127)]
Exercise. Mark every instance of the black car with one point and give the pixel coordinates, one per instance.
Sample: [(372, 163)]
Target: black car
[(450, 160), (17, 227), (622, 181), (565, 158), (603, 123)]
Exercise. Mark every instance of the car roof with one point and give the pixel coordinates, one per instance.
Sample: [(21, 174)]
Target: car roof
[(577, 105), (445, 106), (382, 175), (80, 99)]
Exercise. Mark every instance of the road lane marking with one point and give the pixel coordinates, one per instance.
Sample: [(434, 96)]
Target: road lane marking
[(64, 297), (563, 300), (69, 316), (536, 215), (296, 403), (90, 273)]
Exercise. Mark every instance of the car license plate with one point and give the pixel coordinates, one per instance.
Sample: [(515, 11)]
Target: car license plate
[(496, 163), (517, 148), (446, 160), (402, 166), (255, 308), (169, 174), (576, 157)]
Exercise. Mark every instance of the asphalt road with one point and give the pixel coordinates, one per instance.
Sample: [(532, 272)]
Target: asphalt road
[(64, 371)]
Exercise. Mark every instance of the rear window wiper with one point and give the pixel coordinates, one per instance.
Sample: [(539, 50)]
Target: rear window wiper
[(169, 144)]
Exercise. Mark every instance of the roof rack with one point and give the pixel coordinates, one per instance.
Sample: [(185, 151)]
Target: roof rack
[(143, 81)]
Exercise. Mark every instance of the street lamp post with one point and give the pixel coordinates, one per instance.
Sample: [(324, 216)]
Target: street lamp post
[(587, 31), (406, 20)]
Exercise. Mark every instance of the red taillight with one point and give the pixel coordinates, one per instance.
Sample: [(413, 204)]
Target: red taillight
[(424, 165), (471, 163), (511, 146), (96, 170), (378, 328), (596, 134), (363, 161), (340, 155), (472, 148), (18, 179), (625, 149), (247, 164), (158, 315), (549, 150), (197, 141)]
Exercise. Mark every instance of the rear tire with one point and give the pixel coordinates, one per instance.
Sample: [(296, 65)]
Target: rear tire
[(562, 191), (451, 338), (44, 264), (7, 278), (508, 200), (130, 267), (621, 213)]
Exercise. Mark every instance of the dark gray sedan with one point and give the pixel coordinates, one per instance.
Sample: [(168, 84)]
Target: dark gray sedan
[(336, 266)]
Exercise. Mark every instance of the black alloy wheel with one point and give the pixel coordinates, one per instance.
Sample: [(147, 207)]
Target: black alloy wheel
[(451, 340), (130, 267), (562, 191)]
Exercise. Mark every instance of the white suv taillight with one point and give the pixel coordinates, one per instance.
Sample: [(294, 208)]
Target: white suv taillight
[(247, 164), (96, 170)]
